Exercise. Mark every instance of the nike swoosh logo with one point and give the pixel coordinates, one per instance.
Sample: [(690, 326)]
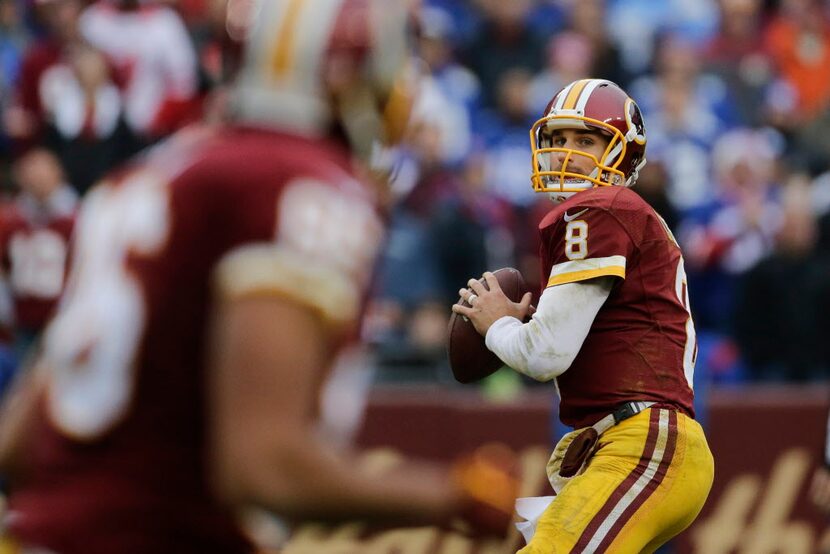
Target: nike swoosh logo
[(569, 218)]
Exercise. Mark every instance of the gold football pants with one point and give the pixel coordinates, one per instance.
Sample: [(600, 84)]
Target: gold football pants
[(646, 482)]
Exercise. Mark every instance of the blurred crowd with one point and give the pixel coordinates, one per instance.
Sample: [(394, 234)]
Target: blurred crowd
[(735, 94)]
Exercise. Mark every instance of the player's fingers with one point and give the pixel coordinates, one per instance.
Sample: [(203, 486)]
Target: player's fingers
[(524, 303), (477, 287), (467, 295), (492, 282), (462, 310)]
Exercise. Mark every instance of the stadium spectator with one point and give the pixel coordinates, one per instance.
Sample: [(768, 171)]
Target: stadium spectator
[(471, 231), (588, 18), (448, 117), (503, 132), (736, 55), (779, 317), (35, 233), (798, 40), (504, 42), (737, 227), (154, 58), (24, 119), (446, 228), (636, 25), (686, 110), (435, 47), (216, 281), (570, 56), (13, 42), (84, 117)]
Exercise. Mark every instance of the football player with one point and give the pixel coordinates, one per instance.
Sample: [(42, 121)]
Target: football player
[(214, 282), (613, 331)]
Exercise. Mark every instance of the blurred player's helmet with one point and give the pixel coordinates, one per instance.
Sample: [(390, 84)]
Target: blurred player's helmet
[(317, 67), (589, 104)]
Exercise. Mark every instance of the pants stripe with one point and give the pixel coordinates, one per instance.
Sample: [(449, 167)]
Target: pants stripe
[(638, 484), (650, 487)]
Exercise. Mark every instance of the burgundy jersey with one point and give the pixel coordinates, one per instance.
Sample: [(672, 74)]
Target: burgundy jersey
[(34, 252), (118, 458), (641, 345)]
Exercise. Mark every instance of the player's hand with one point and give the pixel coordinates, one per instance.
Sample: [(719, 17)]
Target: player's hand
[(488, 306), (489, 482)]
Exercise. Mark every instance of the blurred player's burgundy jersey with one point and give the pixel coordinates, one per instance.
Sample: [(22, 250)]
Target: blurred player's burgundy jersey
[(34, 252), (118, 458), (641, 345)]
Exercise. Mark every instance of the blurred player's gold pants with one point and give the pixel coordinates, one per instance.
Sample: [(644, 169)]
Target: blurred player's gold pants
[(7, 546), (647, 481)]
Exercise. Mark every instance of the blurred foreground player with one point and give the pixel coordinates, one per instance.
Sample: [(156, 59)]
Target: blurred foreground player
[(213, 284), (613, 329)]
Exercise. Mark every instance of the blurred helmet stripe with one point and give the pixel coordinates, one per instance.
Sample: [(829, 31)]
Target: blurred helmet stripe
[(281, 56)]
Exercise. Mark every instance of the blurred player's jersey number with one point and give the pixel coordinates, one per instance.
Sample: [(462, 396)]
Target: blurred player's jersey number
[(38, 262), (338, 232), (93, 341)]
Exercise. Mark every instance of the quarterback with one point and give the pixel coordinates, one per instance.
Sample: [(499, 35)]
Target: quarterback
[(613, 330), (214, 282)]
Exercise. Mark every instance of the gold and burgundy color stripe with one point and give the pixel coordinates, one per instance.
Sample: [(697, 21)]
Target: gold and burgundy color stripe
[(637, 487)]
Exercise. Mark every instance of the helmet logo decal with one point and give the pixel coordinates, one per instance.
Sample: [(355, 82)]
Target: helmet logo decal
[(634, 119)]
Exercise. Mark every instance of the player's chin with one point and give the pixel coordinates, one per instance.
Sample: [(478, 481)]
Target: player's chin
[(573, 185)]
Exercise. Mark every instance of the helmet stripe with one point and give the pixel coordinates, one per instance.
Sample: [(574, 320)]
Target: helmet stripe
[(282, 54), (573, 95), (586, 94), (560, 100)]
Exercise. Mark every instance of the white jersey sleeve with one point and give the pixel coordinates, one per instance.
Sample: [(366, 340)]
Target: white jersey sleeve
[(546, 346)]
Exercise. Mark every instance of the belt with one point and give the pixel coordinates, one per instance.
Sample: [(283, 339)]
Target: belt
[(582, 445), (619, 415)]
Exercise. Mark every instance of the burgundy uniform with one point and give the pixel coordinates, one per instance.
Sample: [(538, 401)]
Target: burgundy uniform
[(118, 455), (34, 242), (641, 345)]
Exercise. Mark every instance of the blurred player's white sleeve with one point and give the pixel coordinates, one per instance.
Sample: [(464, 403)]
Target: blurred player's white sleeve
[(546, 346)]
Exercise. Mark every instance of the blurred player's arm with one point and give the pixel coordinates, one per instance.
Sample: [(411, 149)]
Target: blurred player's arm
[(268, 355), (16, 414), (546, 346)]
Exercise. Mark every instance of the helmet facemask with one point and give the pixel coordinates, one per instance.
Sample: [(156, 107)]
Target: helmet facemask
[(566, 180)]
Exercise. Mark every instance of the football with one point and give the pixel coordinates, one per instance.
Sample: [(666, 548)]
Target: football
[(470, 360)]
